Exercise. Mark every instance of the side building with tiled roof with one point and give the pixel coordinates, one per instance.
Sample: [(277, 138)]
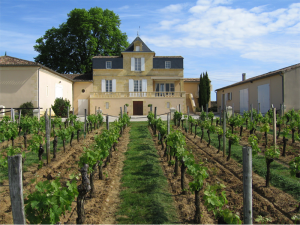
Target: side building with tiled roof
[(278, 88), (26, 81)]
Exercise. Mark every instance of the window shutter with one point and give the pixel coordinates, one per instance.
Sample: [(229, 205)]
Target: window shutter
[(132, 64), (103, 86), (142, 64), (144, 87), (131, 87), (114, 85)]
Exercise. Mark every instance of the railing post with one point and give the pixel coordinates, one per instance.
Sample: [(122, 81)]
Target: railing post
[(16, 188), (247, 185)]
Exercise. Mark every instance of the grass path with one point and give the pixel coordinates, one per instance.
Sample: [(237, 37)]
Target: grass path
[(145, 198)]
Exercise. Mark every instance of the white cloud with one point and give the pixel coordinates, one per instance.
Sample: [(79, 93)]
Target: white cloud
[(172, 8), (213, 24), (124, 7)]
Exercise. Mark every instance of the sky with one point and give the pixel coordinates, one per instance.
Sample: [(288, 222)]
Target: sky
[(223, 37)]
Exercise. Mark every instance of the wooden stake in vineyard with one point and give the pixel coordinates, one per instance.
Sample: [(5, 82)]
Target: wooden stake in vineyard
[(224, 127), (84, 120), (16, 188), (47, 128), (274, 126), (247, 185)]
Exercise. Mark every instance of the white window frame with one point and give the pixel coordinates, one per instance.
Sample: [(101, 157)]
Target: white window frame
[(108, 64), (168, 64), (137, 64), (137, 85), (108, 86)]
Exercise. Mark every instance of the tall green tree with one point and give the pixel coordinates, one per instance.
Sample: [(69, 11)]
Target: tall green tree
[(204, 90), (87, 33)]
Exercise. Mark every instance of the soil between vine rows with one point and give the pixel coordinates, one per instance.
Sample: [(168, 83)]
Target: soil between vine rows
[(270, 202), (65, 163)]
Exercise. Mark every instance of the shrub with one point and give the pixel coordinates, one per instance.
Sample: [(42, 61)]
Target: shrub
[(60, 107), (28, 112)]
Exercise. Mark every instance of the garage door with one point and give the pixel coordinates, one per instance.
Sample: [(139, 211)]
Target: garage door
[(264, 97), (244, 100)]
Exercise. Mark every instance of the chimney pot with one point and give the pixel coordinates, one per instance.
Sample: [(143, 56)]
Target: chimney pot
[(243, 76)]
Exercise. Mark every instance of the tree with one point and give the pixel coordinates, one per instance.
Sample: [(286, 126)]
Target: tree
[(70, 48), (204, 90)]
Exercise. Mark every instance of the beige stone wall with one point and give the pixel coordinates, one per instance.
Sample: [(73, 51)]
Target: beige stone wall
[(78, 94), (49, 79), (292, 89), (115, 104), (18, 85), (275, 93)]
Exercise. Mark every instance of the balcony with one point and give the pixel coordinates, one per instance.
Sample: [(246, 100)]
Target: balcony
[(138, 94)]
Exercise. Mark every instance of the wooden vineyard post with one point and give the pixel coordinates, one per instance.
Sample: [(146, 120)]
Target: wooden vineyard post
[(107, 123), (233, 109), (20, 110), (95, 110), (179, 109), (251, 112), (47, 128), (155, 108), (168, 122), (274, 127), (121, 113), (68, 114), (50, 121), (258, 107), (16, 188), (224, 127), (39, 114), (247, 185), (12, 115), (187, 120), (84, 120)]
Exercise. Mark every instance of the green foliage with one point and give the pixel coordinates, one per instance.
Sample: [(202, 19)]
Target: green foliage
[(60, 107), (199, 174), (265, 127), (272, 152), (263, 220), (214, 199), (27, 124), (49, 201), (11, 131), (64, 134), (295, 166), (232, 137), (252, 140), (85, 34), (34, 143), (219, 130), (25, 111)]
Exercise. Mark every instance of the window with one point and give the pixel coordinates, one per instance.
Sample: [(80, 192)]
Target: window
[(164, 87), (168, 105), (137, 86), (107, 105), (137, 64), (108, 64), (137, 48), (108, 85), (168, 64)]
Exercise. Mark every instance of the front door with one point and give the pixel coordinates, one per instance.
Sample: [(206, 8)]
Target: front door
[(138, 108)]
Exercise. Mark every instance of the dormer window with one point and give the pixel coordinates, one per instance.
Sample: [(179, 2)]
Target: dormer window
[(137, 48), (108, 64), (168, 64)]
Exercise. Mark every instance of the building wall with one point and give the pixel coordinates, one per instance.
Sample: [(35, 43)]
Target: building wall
[(115, 104), (275, 93), (49, 79), (18, 85), (78, 94), (292, 90)]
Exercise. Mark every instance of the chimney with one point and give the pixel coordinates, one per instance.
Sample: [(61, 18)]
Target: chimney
[(243, 76)]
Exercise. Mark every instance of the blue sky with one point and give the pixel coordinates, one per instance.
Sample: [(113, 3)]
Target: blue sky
[(223, 37)]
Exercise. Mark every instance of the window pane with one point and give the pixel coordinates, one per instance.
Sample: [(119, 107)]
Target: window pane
[(172, 87), (108, 85), (108, 65), (137, 64), (162, 87), (168, 64), (157, 87), (167, 87)]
